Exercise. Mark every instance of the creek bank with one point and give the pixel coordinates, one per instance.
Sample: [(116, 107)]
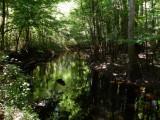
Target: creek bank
[(28, 59)]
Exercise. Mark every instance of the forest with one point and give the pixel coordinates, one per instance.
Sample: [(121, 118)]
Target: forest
[(79, 59)]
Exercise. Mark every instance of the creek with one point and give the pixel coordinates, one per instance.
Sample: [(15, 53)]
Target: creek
[(61, 80)]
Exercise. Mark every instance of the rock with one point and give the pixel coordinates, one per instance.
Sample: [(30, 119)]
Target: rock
[(60, 81)]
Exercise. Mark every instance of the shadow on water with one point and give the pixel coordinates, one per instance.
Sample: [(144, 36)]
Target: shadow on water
[(67, 88), (58, 85)]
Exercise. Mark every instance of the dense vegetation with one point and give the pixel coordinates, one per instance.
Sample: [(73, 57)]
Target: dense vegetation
[(114, 74)]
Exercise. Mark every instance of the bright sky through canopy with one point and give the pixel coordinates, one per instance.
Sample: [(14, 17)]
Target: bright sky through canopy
[(66, 7)]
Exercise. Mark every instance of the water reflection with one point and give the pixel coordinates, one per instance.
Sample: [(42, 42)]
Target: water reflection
[(70, 67)]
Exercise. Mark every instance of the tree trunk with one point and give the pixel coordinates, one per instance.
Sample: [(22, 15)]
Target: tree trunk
[(17, 39), (6, 42), (3, 24), (133, 66), (27, 40), (124, 17)]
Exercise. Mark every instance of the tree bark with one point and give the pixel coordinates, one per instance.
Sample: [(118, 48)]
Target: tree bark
[(27, 39), (17, 39), (3, 24), (133, 66), (124, 17)]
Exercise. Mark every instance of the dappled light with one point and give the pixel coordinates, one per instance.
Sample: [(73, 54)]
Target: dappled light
[(80, 60), (66, 7)]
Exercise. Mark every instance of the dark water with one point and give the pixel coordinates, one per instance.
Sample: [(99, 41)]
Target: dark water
[(70, 68), (66, 89)]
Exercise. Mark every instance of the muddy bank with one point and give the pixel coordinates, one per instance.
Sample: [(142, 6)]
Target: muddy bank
[(30, 58)]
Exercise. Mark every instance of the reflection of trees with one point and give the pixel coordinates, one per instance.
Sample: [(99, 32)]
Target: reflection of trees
[(77, 88), (71, 68)]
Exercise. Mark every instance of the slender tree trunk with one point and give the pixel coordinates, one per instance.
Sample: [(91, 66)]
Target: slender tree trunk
[(93, 27), (7, 26), (124, 20), (17, 39), (27, 40), (3, 24), (133, 66)]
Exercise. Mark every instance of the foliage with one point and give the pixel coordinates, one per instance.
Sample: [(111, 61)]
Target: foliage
[(101, 25), (90, 21), (46, 46), (15, 86), (15, 113), (14, 93)]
